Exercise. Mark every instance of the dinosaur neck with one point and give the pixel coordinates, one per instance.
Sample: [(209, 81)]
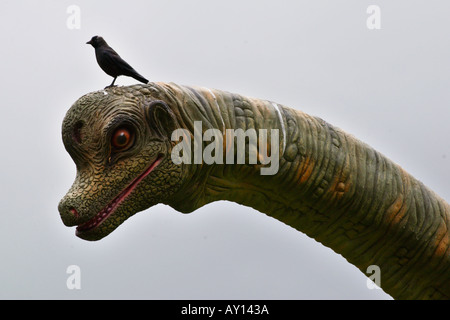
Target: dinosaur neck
[(330, 186), (369, 210)]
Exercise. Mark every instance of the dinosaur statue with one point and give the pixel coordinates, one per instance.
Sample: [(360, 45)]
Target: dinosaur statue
[(327, 184)]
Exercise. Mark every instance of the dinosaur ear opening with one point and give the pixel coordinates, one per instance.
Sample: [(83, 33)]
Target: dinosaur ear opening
[(161, 118)]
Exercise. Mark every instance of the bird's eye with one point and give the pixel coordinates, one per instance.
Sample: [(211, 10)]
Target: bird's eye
[(122, 139)]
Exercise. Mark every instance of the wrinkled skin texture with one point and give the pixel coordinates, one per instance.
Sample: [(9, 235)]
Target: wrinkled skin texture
[(102, 172), (329, 185)]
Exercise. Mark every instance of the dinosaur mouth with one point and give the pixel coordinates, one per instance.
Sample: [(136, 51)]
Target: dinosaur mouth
[(111, 207)]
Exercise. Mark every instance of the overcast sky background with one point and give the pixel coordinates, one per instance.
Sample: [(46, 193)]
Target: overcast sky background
[(388, 87)]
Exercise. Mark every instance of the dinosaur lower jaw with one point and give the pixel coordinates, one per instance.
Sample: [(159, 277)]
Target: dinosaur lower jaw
[(111, 207)]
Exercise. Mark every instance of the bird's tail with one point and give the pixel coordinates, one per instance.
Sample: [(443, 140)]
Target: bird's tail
[(140, 78)]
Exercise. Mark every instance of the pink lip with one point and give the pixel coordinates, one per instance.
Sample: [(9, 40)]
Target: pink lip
[(109, 209)]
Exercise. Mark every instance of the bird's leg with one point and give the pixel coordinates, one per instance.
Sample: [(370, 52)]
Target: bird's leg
[(112, 84)]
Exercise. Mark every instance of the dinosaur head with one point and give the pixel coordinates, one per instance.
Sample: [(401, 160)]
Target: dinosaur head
[(120, 142)]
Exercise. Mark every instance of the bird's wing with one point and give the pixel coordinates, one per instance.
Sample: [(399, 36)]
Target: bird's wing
[(114, 65), (111, 57)]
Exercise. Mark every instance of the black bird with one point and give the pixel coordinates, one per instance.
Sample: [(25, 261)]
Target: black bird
[(111, 62)]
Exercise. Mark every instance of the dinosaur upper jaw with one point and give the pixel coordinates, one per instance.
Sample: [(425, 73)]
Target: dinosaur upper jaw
[(90, 230)]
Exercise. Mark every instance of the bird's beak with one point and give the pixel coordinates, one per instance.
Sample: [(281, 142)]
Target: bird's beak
[(89, 42)]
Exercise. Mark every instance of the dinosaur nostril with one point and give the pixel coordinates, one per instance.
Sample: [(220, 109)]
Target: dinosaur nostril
[(74, 212), (69, 215)]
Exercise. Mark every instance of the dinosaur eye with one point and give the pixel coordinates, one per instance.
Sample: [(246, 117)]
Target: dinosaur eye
[(122, 138)]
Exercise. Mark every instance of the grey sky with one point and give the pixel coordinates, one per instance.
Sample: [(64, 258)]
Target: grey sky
[(388, 87)]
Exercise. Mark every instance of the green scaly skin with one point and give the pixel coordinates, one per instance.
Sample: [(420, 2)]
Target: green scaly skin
[(329, 185)]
